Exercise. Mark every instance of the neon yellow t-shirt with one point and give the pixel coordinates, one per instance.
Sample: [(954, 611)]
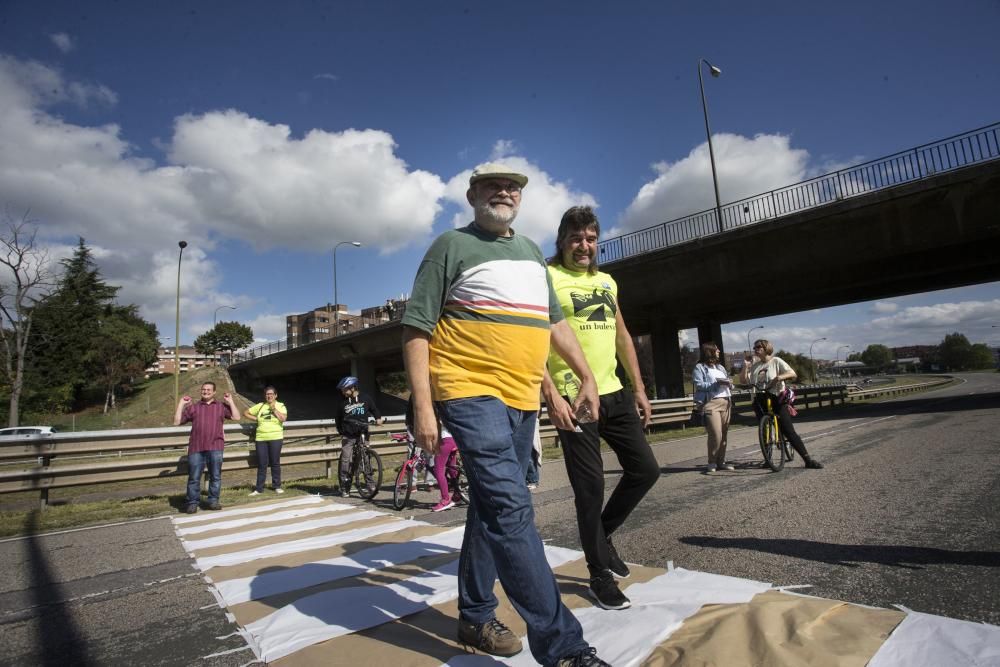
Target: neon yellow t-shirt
[(590, 306), (268, 426)]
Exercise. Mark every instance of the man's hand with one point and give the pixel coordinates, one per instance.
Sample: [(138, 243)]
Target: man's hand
[(560, 412), (425, 430), (588, 400), (644, 408)]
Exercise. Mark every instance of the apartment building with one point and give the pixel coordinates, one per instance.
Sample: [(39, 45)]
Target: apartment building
[(190, 359)]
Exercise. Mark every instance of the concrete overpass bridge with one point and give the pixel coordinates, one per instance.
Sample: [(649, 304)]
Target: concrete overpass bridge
[(924, 219)]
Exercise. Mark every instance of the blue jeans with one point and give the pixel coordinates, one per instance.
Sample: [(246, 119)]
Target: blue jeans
[(501, 540), (196, 463), (268, 454)]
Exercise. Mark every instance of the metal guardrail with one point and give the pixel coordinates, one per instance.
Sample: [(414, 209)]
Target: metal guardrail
[(142, 454), (961, 150)]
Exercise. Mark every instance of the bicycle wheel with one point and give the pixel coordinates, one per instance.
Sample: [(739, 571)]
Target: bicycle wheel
[(786, 447), (401, 492), (368, 474), (770, 445), (459, 483)]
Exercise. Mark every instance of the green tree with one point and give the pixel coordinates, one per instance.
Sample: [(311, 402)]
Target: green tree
[(800, 363), (981, 356), (854, 356), (877, 356), (225, 336), (955, 352), (124, 346), (68, 324)]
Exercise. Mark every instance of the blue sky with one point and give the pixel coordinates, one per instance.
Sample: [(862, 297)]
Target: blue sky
[(262, 134)]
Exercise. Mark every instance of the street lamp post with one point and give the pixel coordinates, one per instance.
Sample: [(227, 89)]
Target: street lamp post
[(177, 329), (215, 314), (336, 306), (837, 362), (715, 71), (811, 360), (749, 344)]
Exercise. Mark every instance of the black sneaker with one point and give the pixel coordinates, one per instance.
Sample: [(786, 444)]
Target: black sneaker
[(492, 637), (615, 563), (215, 506), (587, 658), (813, 463), (191, 509), (604, 589)]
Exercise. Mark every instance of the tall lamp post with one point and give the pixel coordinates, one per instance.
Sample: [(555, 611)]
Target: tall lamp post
[(177, 329), (336, 306), (838, 355), (715, 71), (216, 313), (749, 344), (811, 360)]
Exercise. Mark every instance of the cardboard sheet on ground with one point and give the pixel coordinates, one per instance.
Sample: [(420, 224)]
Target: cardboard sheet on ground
[(382, 590)]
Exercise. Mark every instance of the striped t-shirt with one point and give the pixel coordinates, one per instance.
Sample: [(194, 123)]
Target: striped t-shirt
[(487, 302)]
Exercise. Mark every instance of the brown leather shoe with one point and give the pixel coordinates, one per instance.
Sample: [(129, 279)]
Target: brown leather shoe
[(492, 637)]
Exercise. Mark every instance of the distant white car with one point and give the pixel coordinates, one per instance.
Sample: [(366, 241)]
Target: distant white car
[(26, 431)]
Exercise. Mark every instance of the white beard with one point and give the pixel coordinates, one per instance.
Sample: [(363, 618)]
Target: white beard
[(495, 216)]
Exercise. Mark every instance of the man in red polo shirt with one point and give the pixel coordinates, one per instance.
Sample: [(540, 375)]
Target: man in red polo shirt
[(207, 440)]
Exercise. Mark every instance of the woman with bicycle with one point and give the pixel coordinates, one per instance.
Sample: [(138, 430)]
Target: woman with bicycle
[(352, 424), (713, 392), (768, 373)]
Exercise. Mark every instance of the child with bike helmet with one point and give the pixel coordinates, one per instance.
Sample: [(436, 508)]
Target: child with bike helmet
[(444, 463), (352, 424)]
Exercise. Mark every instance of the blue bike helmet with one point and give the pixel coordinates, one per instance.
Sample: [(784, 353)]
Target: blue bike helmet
[(347, 382)]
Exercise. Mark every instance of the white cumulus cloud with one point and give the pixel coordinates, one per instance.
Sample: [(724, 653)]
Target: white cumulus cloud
[(884, 307), (745, 167), (63, 41), (227, 176)]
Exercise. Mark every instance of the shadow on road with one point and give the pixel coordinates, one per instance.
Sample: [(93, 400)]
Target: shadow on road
[(60, 640), (850, 555)]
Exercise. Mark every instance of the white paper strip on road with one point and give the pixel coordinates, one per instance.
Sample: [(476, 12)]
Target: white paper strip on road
[(243, 511), (286, 515), (925, 640), (659, 607), (341, 611), (276, 531), (244, 589), (305, 544)]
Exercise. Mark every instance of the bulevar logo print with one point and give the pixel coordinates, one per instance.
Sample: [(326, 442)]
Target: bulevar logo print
[(595, 303)]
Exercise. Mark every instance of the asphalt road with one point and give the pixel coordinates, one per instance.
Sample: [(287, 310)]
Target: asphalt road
[(904, 513)]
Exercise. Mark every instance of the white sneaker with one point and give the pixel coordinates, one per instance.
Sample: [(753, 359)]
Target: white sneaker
[(255, 492), (711, 468), (279, 490), (727, 466)]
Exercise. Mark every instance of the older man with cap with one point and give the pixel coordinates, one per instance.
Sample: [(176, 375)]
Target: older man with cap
[(476, 336)]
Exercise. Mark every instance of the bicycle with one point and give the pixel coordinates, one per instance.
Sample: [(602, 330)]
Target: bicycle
[(416, 463), (772, 440), (366, 469)]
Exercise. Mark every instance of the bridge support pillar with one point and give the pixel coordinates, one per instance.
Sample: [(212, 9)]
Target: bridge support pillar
[(364, 370), (711, 332), (667, 370)]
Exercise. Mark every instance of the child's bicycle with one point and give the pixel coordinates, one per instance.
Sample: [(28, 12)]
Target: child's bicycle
[(366, 469), (773, 443), (416, 463)]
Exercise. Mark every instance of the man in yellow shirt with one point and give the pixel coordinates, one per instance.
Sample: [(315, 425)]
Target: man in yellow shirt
[(589, 300)]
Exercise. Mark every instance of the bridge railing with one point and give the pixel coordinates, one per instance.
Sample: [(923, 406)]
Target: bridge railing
[(961, 150), (348, 325)]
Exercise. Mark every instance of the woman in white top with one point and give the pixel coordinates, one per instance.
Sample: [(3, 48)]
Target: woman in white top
[(768, 374), (713, 392)]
